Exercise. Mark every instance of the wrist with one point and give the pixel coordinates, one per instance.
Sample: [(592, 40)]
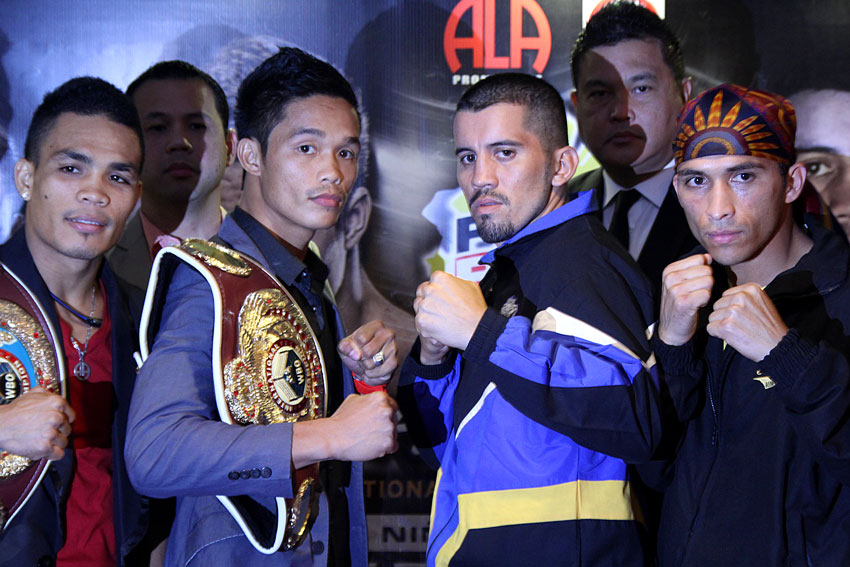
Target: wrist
[(312, 442), (430, 359), (672, 338)]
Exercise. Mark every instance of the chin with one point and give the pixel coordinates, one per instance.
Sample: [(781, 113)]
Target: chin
[(88, 250), (726, 257), (83, 253)]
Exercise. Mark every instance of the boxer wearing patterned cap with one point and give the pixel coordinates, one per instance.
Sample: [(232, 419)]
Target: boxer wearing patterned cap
[(732, 120), (751, 338)]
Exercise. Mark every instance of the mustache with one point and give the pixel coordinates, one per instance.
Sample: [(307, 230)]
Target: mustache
[(339, 193), (491, 194), (723, 225)]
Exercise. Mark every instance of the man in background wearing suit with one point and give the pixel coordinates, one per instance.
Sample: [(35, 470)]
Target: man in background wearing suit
[(630, 84), (188, 145)]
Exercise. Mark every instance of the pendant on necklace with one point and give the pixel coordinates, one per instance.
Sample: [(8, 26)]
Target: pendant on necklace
[(82, 370)]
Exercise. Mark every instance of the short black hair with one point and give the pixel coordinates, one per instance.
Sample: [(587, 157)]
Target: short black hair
[(545, 112), (288, 75), (86, 96), (181, 70), (622, 20)]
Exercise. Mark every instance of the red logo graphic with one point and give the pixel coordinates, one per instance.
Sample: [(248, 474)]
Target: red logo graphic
[(483, 40)]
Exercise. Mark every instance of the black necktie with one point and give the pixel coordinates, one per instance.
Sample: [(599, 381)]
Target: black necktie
[(623, 201)]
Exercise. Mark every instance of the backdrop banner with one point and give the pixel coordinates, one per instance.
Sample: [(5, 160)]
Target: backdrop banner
[(410, 61)]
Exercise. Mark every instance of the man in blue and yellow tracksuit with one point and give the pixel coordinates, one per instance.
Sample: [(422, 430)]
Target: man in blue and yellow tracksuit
[(535, 390)]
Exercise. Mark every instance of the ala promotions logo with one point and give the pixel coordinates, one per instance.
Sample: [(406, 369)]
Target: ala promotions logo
[(482, 42)]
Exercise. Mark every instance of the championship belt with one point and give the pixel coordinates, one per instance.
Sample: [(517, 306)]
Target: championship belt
[(267, 368), (30, 356)]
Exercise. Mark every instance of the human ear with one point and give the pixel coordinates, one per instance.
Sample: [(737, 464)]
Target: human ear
[(24, 172), (230, 141), (358, 209), (686, 88), (567, 162), (250, 156), (795, 179)]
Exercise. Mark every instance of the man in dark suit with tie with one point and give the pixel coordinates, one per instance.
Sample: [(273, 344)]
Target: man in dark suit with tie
[(630, 84)]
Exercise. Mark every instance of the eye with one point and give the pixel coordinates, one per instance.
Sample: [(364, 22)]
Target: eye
[(505, 153), (596, 94), (347, 154), (642, 89), (198, 126), (116, 178), (306, 149), (818, 168), (744, 177), (156, 128), (694, 181), (466, 159), (69, 169)]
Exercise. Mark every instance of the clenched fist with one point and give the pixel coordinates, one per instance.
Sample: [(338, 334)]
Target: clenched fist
[(448, 310), (36, 425), (685, 289)]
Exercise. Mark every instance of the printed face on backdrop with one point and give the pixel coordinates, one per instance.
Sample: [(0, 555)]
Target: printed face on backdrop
[(736, 205), (823, 145), (186, 145), (504, 171), (627, 102), (84, 187), (309, 167)]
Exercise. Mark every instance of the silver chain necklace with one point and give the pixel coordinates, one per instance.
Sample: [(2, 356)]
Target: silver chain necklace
[(82, 370)]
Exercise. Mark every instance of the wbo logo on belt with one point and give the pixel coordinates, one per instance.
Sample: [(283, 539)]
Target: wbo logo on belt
[(267, 368), (29, 357)]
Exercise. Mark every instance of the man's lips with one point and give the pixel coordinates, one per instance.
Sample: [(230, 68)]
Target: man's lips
[(87, 223), (485, 201), (722, 236), (328, 200), (181, 169), (485, 204), (624, 136)]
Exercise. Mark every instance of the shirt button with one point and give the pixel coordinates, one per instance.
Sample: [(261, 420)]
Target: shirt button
[(255, 473), (318, 548), (233, 475), (266, 472), (245, 475)]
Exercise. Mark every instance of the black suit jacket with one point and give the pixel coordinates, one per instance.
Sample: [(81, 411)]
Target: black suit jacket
[(669, 238), (37, 533)]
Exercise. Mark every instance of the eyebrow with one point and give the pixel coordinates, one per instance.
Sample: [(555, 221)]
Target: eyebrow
[(71, 154), (491, 145), (83, 158), (321, 134), (821, 149), (643, 76), (159, 114), (595, 83), (732, 169), (123, 166)]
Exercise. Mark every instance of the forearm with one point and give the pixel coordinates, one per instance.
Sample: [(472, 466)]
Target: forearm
[(578, 382), (813, 380), (683, 376), (191, 456), (426, 399), (176, 442)]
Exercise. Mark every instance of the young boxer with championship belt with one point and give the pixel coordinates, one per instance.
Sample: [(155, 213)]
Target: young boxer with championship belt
[(251, 394), (268, 368)]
